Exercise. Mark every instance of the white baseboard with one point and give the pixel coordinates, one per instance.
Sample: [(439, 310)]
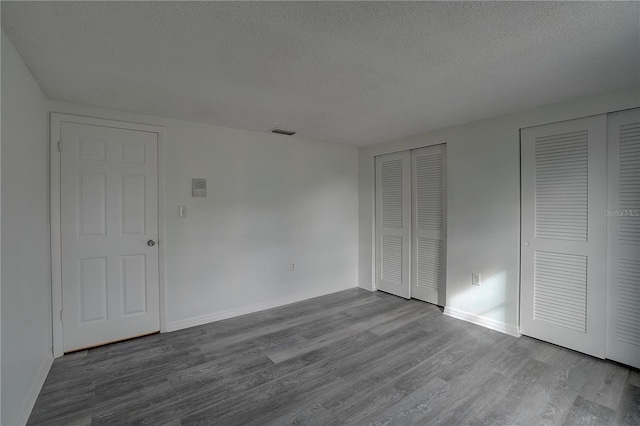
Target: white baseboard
[(482, 321), (366, 286), (34, 391), (218, 316)]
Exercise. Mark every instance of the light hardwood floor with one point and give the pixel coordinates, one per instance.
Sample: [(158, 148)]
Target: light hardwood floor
[(353, 357)]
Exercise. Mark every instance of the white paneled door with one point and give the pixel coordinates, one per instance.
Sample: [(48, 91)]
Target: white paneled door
[(428, 233), (109, 227), (393, 223), (564, 234), (623, 221)]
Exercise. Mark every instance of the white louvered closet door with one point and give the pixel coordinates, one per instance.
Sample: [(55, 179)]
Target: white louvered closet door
[(428, 235), (564, 234), (393, 223), (623, 220)]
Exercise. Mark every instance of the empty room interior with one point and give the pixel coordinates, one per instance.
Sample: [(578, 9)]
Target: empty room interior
[(272, 213)]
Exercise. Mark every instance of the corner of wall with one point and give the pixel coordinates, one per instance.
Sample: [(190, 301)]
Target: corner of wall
[(26, 271), (366, 286), (34, 391)]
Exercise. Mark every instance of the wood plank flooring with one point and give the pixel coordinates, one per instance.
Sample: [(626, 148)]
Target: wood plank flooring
[(351, 358)]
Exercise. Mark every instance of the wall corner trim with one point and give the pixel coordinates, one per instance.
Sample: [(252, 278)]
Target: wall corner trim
[(34, 391), (366, 286), (512, 330)]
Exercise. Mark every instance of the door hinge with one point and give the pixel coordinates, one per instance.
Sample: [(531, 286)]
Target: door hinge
[(59, 146), (61, 315)]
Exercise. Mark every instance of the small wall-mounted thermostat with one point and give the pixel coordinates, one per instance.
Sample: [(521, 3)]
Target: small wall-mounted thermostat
[(198, 187)]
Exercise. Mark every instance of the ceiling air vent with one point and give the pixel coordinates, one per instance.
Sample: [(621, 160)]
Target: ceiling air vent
[(283, 132)]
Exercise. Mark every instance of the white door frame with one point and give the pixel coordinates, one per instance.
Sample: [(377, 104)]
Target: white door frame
[(374, 247), (56, 252)]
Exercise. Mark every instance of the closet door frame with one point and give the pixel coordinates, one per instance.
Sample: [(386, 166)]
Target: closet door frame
[(407, 266)]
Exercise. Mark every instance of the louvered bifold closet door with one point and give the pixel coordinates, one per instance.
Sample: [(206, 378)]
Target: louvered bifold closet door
[(623, 220), (563, 251), (393, 223), (428, 213)]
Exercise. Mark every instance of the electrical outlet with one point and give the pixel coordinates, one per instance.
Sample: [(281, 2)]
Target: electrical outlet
[(475, 279), (292, 266)]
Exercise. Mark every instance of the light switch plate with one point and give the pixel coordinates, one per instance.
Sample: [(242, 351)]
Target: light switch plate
[(475, 279)]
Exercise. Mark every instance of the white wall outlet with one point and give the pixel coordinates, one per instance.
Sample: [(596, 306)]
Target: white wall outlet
[(475, 279), (292, 266)]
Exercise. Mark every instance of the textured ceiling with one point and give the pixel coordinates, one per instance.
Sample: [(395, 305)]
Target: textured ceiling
[(357, 73)]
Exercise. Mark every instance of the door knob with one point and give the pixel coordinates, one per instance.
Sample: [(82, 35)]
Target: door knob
[(151, 243)]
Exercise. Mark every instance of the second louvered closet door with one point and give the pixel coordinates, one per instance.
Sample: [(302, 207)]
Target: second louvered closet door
[(564, 234), (623, 220), (428, 234), (393, 223)]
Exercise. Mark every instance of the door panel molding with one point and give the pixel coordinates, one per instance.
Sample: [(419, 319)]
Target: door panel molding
[(95, 151)]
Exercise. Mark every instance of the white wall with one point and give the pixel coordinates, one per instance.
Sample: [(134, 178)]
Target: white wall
[(272, 199), (26, 277), (483, 190)]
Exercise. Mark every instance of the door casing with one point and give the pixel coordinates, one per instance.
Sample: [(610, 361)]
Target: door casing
[(56, 253)]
